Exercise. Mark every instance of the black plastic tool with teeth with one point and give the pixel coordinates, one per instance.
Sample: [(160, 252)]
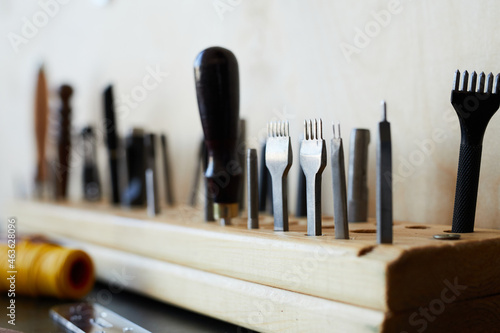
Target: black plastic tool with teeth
[(474, 108)]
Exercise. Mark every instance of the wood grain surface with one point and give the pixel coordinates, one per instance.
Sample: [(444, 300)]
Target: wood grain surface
[(267, 309), (399, 277)]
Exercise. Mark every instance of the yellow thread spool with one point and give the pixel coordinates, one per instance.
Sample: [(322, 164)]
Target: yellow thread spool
[(45, 269)]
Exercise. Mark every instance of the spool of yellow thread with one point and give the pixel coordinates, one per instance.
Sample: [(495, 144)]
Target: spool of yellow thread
[(45, 269)]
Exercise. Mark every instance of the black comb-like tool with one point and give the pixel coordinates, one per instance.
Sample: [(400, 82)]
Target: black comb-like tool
[(475, 102)]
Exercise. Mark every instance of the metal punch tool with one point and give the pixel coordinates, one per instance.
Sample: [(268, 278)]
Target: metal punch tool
[(384, 180), (357, 186), (474, 108), (279, 160), (252, 189), (339, 186), (313, 162)]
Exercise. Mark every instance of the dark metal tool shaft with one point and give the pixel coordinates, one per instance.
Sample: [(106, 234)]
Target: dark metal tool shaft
[(252, 189), (91, 183), (110, 128), (135, 193), (384, 180), (357, 202), (242, 153), (151, 175), (167, 174)]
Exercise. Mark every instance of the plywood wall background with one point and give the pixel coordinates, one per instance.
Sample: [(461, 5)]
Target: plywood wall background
[(298, 59)]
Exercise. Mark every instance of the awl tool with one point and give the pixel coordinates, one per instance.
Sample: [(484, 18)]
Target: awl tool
[(384, 180), (339, 186), (313, 162), (279, 159), (217, 90), (474, 108)]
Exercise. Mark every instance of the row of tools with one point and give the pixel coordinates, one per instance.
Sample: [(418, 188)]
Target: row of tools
[(139, 148), (313, 161), (217, 88), (475, 100)]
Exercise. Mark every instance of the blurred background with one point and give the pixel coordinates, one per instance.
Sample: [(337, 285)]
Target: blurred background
[(334, 60)]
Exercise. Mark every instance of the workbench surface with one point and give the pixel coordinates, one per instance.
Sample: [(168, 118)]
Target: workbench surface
[(157, 317)]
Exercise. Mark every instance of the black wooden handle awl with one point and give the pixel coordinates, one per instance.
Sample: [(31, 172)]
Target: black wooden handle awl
[(217, 89)]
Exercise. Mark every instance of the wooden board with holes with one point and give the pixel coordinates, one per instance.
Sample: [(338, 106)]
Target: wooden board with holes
[(389, 278), (268, 309)]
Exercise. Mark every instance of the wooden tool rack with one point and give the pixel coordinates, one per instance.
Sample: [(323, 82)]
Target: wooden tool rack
[(286, 281)]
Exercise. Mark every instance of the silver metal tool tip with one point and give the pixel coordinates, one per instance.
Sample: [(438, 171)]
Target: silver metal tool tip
[(480, 88), (465, 80), (384, 110), (473, 80), (278, 128), (489, 83), (313, 129), (456, 83), (336, 132)]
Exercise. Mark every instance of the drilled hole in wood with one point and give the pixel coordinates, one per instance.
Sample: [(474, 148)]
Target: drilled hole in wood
[(365, 231), (365, 250), (447, 231), (416, 227)]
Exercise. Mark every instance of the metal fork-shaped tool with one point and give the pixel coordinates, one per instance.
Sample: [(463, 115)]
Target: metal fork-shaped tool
[(279, 160), (313, 162), (474, 108)]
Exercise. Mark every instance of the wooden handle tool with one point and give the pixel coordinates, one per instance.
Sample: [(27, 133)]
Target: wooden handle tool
[(217, 89)]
